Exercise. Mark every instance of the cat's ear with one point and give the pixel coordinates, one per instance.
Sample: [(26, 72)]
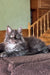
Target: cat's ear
[(9, 29), (19, 30)]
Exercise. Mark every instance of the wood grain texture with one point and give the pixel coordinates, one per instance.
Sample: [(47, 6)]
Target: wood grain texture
[(40, 4), (2, 36), (39, 8), (45, 4)]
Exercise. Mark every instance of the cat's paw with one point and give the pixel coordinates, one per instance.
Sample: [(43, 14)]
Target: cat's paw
[(3, 54)]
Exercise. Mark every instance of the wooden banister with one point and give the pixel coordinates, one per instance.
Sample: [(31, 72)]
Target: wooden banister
[(41, 20)]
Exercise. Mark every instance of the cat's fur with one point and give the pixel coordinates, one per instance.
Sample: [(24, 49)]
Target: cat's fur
[(16, 45)]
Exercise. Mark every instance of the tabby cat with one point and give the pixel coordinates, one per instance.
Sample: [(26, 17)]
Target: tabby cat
[(16, 45)]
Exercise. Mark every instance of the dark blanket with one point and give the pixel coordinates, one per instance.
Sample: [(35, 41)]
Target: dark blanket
[(26, 65)]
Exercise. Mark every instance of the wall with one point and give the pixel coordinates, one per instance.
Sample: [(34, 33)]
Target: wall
[(15, 13)]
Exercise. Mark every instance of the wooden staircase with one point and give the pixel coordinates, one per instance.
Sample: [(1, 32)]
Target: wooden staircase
[(46, 37), (41, 28)]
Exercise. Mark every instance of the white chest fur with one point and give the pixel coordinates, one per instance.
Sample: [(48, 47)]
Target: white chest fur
[(11, 46)]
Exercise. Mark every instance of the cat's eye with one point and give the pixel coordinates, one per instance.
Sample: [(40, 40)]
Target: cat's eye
[(16, 37)]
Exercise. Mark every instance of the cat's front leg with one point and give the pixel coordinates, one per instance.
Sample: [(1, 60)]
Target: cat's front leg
[(2, 47), (3, 54)]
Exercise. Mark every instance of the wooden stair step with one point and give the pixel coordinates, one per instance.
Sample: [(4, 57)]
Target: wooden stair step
[(48, 30), (44, 38), (47, 43), (46, 35)]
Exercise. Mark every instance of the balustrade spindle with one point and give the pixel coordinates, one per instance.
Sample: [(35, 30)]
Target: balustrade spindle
[(29, 30), (37, 29), (48, 20), (41, 26), (33, 30), (44, 25)]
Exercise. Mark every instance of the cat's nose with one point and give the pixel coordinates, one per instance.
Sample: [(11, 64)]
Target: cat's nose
[(16, 42), (11, 41)]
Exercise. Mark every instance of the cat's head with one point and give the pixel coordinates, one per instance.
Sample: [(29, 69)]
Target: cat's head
[(13, 36)]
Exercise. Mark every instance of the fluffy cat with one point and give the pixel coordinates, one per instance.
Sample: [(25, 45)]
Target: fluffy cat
[(16, 45)]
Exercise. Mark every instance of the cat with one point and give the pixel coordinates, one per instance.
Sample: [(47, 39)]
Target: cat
[(16, 45)]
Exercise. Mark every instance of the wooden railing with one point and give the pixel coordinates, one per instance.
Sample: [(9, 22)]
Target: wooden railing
[(40, 26)]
